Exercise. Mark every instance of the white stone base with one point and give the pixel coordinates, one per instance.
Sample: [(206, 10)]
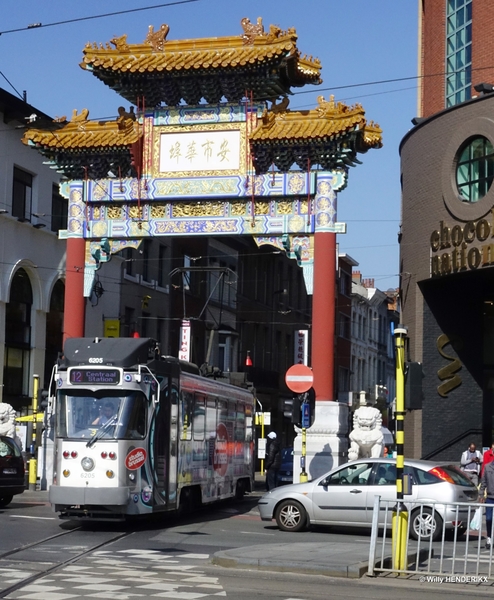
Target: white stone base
[(326, 441)]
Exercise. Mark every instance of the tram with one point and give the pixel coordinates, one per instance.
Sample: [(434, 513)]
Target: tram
[(137, 433)]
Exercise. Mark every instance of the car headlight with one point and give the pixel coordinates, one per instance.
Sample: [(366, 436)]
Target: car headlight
[(87, 463)]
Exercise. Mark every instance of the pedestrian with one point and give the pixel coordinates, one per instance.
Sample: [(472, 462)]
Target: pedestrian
[(273, 460), (471, 461), (487, 458), (486, 493)]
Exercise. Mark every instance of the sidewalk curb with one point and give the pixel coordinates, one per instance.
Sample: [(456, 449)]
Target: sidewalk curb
[(224, 559)]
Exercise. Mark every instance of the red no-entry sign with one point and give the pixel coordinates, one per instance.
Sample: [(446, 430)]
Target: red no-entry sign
[(299, 378)]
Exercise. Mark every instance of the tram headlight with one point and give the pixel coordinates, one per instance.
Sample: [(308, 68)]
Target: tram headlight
[(66, 473), (110, 474), (87, 463), (132, 476)]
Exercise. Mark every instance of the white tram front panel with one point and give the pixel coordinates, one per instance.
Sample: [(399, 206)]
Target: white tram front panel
[(100, 459)]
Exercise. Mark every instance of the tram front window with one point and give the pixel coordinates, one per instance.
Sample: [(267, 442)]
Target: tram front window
[(80, 415)]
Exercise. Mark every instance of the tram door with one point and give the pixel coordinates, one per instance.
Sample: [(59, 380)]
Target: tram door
[(165, 445)]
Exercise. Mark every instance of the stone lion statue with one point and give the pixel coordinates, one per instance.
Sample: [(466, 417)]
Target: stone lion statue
[(366, 438), (7, 420)]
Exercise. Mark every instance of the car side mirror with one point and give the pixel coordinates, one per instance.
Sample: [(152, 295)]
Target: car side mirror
[(325, 482)]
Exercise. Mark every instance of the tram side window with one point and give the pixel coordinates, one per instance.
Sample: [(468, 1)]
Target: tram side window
[(222, 416), (199, 417), (211, 418), (186, 415), (240, 423), (248, 423)]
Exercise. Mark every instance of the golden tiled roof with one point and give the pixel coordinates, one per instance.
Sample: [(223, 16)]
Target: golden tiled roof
[(89, 149), (163, 61), (82, 133), (331, 136), (330, 121)]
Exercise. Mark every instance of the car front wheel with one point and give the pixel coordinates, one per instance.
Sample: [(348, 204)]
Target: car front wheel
[(426, 524), (291, 516)]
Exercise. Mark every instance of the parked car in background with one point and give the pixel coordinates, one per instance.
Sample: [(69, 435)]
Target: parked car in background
[(285, 473), (11, 470), (345, 496)]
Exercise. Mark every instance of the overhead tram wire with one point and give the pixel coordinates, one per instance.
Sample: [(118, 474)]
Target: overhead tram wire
[(101, 16)]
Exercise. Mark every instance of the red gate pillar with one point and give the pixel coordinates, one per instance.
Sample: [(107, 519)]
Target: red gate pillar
[(326, 441), (75, 303), (323, 314)]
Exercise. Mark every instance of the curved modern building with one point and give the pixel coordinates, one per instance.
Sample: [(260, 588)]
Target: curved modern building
[(447, 232)]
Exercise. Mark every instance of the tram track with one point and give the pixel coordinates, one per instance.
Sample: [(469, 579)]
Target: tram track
[(54, 567)]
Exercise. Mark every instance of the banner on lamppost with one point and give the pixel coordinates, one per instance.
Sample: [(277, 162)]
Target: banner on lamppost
[(301, 347), (184, 351)]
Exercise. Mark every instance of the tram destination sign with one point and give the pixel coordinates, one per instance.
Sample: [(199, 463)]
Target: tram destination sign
[(94, 376)]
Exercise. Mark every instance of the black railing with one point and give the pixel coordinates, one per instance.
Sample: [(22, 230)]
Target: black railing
[(458, 438)]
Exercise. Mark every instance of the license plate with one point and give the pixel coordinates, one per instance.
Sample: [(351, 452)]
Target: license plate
[(9, 471)]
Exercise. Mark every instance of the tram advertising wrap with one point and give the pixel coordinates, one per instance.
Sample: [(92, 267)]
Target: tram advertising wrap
[(138, 433)]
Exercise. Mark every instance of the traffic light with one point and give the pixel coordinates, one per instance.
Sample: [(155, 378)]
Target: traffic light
[(43, 400), (292, 410), (413, 385), (309, 410), (301, 409)]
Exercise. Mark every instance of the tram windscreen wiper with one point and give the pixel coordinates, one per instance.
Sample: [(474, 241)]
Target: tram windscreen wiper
[(100, 433)]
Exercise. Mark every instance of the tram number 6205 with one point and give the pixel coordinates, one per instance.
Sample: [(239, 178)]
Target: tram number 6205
[(87, 475)]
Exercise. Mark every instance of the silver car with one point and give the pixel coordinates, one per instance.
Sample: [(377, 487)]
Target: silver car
[(345, 496)]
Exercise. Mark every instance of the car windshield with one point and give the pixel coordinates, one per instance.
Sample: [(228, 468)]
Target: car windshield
[(286, 454), (8, 447), (116, 415)]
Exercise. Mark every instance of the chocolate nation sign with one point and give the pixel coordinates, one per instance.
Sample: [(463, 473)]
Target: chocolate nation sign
[(456, 249)]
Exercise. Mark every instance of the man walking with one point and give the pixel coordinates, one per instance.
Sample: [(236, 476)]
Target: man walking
[(471, 461), (273, 460), (487, 495)]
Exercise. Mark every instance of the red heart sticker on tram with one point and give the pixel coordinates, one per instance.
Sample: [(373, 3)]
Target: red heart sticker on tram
[(135, 458)]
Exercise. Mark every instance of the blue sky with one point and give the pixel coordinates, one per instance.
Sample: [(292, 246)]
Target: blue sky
[(358, 42)]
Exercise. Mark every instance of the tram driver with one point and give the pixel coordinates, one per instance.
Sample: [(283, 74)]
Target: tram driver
[(106, 414)]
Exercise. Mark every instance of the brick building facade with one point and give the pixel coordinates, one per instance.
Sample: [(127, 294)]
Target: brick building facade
[(446, 250)]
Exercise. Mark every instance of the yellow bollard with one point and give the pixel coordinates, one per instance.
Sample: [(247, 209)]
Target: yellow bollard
[(399, 524), (33, 473)]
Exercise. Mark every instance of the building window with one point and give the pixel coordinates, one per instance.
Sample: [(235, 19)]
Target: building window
[(129, 261), (146, 248), (161, 266), (458, 51), (22, 194), (345, 283), (59, 210), (18, 341), (129, 324), (475, 169), (345, 326)]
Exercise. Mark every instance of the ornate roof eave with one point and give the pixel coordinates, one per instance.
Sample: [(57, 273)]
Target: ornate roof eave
[(330, 136), (167, 72), (81, 148)]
